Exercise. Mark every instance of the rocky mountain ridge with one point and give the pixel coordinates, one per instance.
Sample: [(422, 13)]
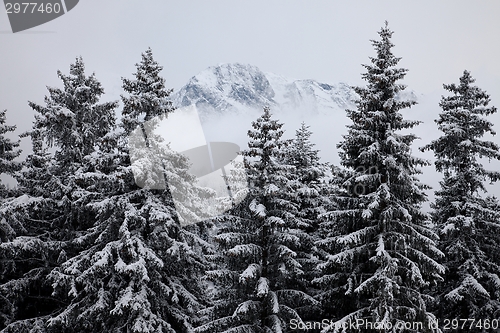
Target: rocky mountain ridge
[(237, 87)]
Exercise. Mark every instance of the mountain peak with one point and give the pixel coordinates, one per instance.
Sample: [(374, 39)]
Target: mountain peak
[(235, 87)]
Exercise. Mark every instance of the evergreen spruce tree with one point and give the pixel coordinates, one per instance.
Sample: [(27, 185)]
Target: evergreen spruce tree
[(8, 227), (468, 223), (8, 152), (8, 166), (72, 121), (138, 270), (310, 175), (312, 198), (381, 253), (260, 282), (16, 267)]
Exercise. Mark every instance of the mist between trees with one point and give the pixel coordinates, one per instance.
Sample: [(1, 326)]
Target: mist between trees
[(85, 249)]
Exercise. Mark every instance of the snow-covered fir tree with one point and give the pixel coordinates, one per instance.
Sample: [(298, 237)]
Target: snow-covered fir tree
[(260, 283), (8, 227), (310, 175), (8, 154), (468, 223), (312, 198), (8, 166), (381, 254), (72, 122), (138, 270), (23, 256)]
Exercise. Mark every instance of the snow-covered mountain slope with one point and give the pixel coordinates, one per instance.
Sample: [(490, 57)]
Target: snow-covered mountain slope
[(236, 88), (230, 96)]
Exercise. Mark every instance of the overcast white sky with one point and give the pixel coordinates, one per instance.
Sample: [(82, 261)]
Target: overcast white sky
[(323, 40)]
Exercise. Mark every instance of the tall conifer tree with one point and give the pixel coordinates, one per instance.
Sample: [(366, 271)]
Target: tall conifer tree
[(260, 282), (468, 223), (381, 254), (72, 121), (139, 270)]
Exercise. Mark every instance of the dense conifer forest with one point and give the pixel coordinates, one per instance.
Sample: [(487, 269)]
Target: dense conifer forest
[(88, 244)]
